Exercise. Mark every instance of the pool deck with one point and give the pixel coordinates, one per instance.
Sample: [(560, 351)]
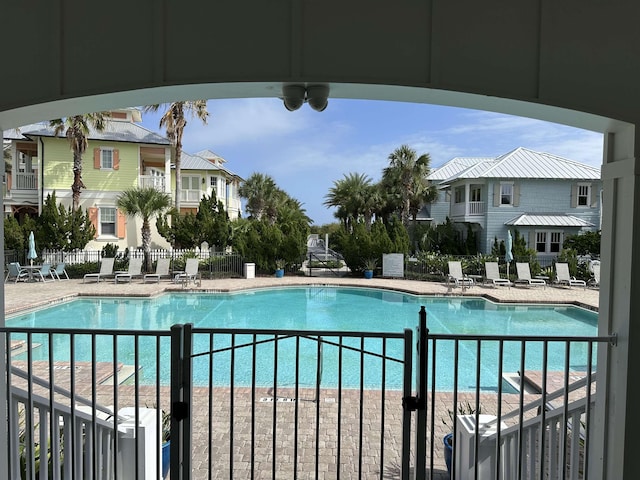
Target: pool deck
[(24, 296)]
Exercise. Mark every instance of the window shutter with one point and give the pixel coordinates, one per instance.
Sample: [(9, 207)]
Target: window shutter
[(93, 218), (496, 194), (96, 158), (121, 226), (116, 159), (574, 196), (532, 239), (516, 194), (594, 197)]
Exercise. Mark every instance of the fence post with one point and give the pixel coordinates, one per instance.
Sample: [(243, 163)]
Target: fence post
[(180, 450), (420, 467)]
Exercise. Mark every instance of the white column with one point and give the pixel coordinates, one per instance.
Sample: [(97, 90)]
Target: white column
[(467, 199), (4, 431), (613, 452), (167, 169)]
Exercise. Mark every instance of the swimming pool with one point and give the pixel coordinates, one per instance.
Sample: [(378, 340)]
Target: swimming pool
[(320, 308)]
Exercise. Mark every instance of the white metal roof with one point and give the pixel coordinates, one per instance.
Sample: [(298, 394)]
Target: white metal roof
[(525, 163), (548, 220), (454, 167)]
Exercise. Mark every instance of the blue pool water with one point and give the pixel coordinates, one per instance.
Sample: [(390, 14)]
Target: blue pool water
[(316, 308)]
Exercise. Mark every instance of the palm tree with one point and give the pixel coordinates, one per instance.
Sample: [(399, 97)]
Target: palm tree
[(406, 178), (174, 121), (355, 196), (144, 203), (77, 129), (262, 195)]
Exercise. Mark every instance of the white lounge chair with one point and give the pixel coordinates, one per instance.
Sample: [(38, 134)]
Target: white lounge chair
[(190, 273), (524, 276), (135, 270), (456, 275), (595, 269), (56, 273), (106, 270), (162, 270), (564, 278), (492, 275)]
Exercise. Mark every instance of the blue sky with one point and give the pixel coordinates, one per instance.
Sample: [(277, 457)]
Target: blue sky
[(306, 151)]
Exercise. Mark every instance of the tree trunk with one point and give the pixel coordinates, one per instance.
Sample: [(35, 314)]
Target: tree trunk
[(178, 175), (77, 185), (146, 244)]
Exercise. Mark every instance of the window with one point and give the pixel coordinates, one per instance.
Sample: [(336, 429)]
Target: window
[(213, 183), (190, 191), (541, 242), (475, 194), (107, 221), (506, 194), (584, 194), (548, 242), (106, 159), (459, 195)]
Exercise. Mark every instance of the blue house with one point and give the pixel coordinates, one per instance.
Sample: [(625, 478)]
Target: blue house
[(544, 196)]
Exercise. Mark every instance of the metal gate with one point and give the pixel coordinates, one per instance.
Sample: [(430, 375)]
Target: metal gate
[(294, 404)]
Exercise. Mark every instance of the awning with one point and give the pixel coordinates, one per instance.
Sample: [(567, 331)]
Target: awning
[(548, 220)]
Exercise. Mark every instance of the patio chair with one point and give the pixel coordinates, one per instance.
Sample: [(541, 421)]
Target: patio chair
[(45, 270), (563, 277), (135, 270), (190, 273), (524, 276), (492, 275), (15, 271), (106, 270), (455, 274), (57, 272), (162, 270)]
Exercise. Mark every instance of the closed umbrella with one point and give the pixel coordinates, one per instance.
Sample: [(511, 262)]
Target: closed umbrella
[(31, 254), (508, 256)]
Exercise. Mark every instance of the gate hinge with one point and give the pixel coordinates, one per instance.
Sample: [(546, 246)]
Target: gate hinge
[(410, 403)]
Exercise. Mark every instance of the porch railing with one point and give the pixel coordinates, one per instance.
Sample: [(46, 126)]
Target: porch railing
[(25, 181)]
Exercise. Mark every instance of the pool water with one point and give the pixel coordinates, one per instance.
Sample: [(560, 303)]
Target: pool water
[(317, 308)]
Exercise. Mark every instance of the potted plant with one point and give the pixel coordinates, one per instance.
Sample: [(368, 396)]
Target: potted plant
[(369, 265), (166, 442), (280, 264), (463, 409)]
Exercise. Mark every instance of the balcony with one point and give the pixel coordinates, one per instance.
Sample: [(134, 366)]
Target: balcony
[(25, 181), (465, 211), (152, 181)]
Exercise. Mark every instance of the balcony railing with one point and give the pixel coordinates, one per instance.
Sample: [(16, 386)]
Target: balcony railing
[(468, 209), (190, 195), (336, 401), (152, 181), (25, 181)]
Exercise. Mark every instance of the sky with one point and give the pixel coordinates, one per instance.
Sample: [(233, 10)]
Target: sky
[(306, 151)]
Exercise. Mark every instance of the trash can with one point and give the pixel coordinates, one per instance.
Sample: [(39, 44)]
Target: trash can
[(148, 440), (464, 450)]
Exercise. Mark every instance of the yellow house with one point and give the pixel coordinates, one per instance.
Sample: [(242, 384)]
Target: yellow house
[(122, 156)]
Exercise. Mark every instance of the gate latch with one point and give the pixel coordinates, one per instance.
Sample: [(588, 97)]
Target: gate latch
[(180, 410), (410, 403)]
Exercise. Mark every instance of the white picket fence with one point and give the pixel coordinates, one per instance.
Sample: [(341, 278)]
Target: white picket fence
[(84, 256)]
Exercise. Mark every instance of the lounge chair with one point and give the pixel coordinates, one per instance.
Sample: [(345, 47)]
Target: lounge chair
[(106, 270), (456, 275), (524, 276), (135, 270), (563, 277), (45, 270), (57, 272), (15, 271), (492, 275), (190, 273), (162, 270)]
